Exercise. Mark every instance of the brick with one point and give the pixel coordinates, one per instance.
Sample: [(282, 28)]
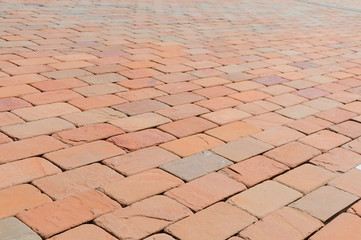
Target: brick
[(257, 169), (139, 83), (174, 77), (4, 138), (267, 120), (15, 91), (140, 160), (345, 226), (287, 99), (68, 73), (27, 69), (182, 111), (93, 116), (19, 198), (225, 116), (350, 129), (233, 131), (99, 89), (215, 91), (348, 182), (140, 186), (312, 93), (187, 126), (84, 232), (323, 104), (293, 154), (141, 94), (336, 115), (140, 73), (354, 145), (28, 148), (180, 98), (191, 145), (143, 218), (139, 107), (218, 103), (250, 96), (196, 165), (306, 178), (7, 118), (160, 236), (217, 222), (258, 107), (60, 84), (325, 140), (78, 180), (24, 171), (206, 190), (96, 102), (355, 209), (278, 136), (211, 81), (270, 80), (75, 57), (140, 122), (173, 88), (70, 65), (285, 223), (353, 107), (325, 202), (242, 149), (264, 198), (244, 85), (309, 125), (61, 215), (88, 133), (36, 128), (141, 139), (11, 228), (338, 160), (8, 104), (297, 111), (45, 111), (51, 97), (81, 155)]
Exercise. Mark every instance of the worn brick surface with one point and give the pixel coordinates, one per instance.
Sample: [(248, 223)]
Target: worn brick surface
[(137, 98)]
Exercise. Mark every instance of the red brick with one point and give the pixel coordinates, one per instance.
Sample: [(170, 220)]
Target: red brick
[(8, 104), (28, 148), (61, 84), (61, 215), (51, 97), (80, 155), (84, 232), (17, 199), (141, 186), (96, 102), (141, 139), (325, 140)]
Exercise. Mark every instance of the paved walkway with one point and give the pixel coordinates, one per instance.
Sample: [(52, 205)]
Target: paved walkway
[(189, 120)]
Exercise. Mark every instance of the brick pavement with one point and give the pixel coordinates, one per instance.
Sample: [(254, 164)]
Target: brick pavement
[(189, 120)]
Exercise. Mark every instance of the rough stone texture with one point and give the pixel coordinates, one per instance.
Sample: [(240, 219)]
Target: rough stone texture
[(241, 149), (217, 222), (325, 202), (140, 186), (285, 223), (257, 169), (349, 182), (84, 232), (345, 226), (28, 148), (306, 178), (61, 215), (204, 191), (77, 156), (13, 229), (252, 200), (26, 170), (140, 160), (19, 198), (77, 180), (196, 165), (143, 218)]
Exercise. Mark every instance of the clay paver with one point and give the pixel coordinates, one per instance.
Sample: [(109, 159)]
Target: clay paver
[(325, 202), (203, 103), (11, 228), (196, 165), (252, 200)]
